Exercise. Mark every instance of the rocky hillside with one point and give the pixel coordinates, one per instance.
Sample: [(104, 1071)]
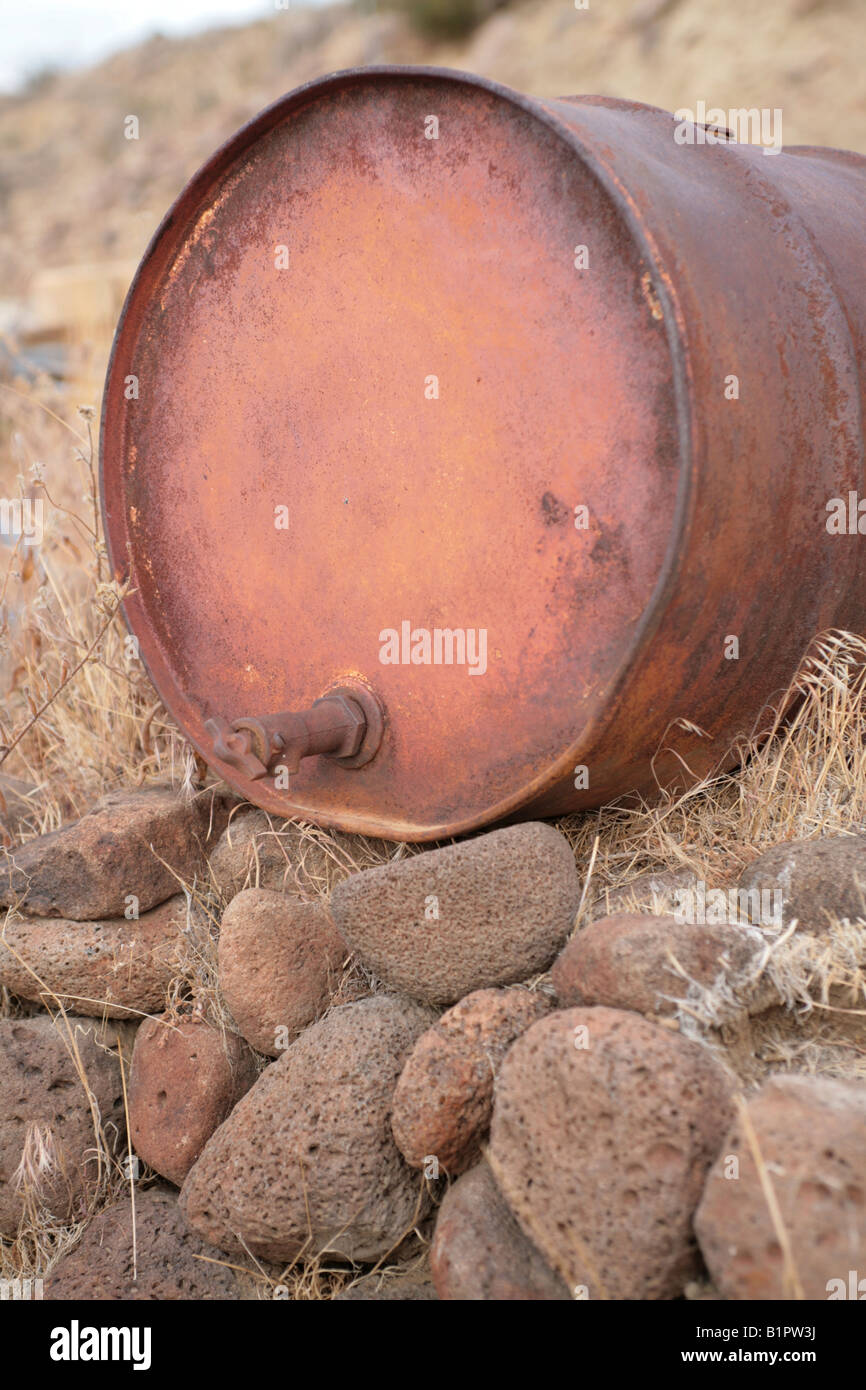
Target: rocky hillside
[(75, 190)]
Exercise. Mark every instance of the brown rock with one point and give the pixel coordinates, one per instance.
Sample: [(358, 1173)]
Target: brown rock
[(647, 963), (250, 853), (815, 880), (413, 1286), (810, 1133), (170, 1261), (259, 851), (604, 1127), (46, 1120), (479, 1252), (184, 1080), (279, 963), (131, 845), (444, 1098), (306, 1160), (103, 969), (488, 911), (654, 890)]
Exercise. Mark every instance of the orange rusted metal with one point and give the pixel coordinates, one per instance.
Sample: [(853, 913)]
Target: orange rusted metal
[(420, 399)]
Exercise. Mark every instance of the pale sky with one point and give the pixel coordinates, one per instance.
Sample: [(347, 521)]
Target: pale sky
[(35, 34)]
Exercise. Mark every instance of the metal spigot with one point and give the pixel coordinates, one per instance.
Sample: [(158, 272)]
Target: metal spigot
[(345, 725)]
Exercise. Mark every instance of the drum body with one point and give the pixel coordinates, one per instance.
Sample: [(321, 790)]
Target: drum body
[(514, 422)]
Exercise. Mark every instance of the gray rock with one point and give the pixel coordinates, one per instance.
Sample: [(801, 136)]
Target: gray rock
[(488, 911), (306, 1160), (815, 880), (480, 1254)]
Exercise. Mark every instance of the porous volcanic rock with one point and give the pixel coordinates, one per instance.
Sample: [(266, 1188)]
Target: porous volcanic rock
[(479, 1252), (249, 853), (646, 963), (650, 891), (488, 911), (260, 851), (131, 845), (169, 1262), (279, 963), (185, 1078), (604, 1128), (46, 1119), (809, 1133), (103, 969), (410, 1287), (444, 1098), (306, 1160), (816, 880)]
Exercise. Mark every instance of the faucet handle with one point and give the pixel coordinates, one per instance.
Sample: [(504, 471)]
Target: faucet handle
[(235, 747)]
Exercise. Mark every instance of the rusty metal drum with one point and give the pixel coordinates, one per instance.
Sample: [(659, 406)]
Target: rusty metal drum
[(450, 436)]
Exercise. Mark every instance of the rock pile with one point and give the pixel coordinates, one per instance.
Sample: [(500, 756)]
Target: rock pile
[(132, 848), (546, 1111), (97, 914), (306, 1161)]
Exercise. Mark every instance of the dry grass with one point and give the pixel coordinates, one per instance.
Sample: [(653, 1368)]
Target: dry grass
[(800, 777), (78, 713), (76, 191)]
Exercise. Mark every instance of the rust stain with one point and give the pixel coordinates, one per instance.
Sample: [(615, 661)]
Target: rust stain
[(650, 295)]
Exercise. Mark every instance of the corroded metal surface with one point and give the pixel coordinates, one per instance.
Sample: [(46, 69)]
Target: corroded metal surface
[(444, 420)]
